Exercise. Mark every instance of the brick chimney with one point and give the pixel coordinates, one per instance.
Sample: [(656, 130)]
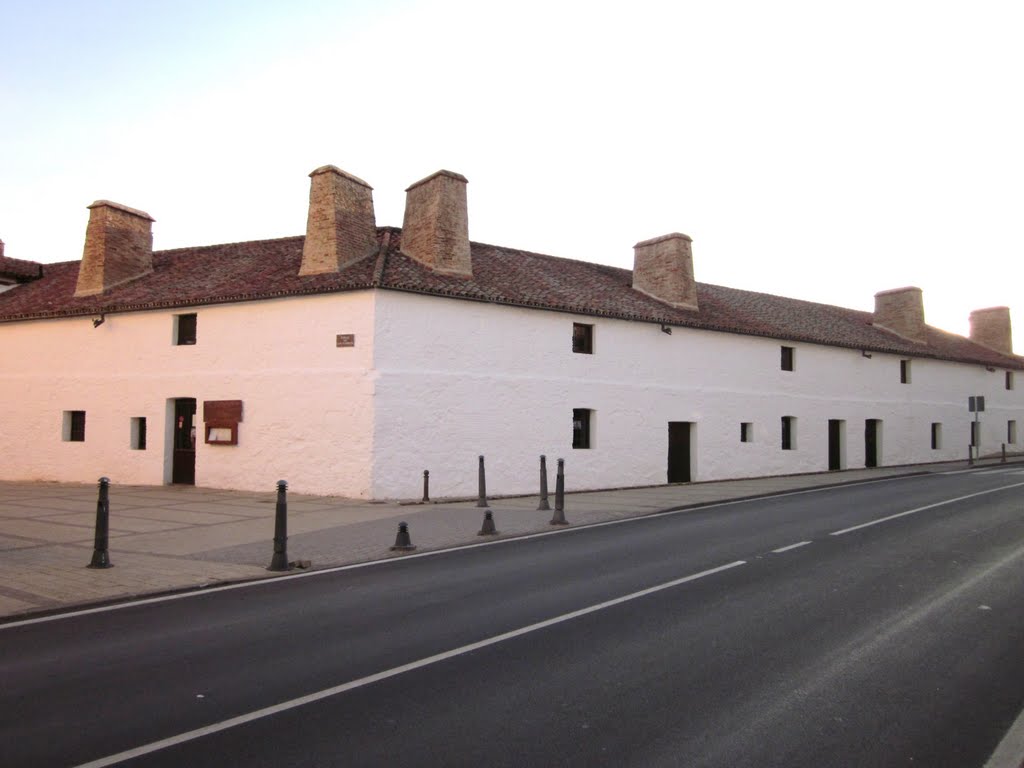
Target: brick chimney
[(340, 227), (901, 311), (991, 328), (118, 247), (663, 269), (435, 231)]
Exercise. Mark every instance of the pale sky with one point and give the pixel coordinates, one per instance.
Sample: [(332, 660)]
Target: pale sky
[(820, 150)]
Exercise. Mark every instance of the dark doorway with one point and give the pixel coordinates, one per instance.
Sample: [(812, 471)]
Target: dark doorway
[(183, 468), (871, 429), (679, 451), (835, 444)]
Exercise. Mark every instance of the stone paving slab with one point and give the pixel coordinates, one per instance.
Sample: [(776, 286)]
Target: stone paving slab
[(178, 537)]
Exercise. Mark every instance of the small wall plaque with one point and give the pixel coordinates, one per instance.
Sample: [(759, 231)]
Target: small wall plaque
[(346, 340)]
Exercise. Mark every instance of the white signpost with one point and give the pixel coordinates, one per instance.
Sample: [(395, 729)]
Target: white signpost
[(975, 405)]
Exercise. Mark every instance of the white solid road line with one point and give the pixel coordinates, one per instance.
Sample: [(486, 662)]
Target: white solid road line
[(199, 592), (922, 509), (284, 706), (791, 546)]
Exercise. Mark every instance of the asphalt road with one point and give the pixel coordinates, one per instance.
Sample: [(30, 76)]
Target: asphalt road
[(760, 633)]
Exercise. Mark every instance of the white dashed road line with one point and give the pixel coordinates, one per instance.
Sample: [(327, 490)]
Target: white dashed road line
[(284, 706), (791, 546)]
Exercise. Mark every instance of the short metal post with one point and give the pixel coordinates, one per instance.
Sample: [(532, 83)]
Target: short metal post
[(100, 555), (559, 517), (403, 542), (1003, 460), (426, 485), (488, 529), (280, 560), (544, 505), (970, 455), (482, 498)]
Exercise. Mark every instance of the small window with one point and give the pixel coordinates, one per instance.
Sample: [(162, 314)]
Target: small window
[(787, 358), (74, 426), (1011, 431), (583, 338), (184, 329), (936, 435), (746, 432), (1009, 379), (581, 418), (138, 439), (788, 433), (904, 371)]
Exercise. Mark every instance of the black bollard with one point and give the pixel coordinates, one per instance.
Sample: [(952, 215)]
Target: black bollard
[(559, 517), (100, 555), (544, 506), (426, 485), (482, 498), (280, 560), (488, 528), (1003, 460), (403, 543)]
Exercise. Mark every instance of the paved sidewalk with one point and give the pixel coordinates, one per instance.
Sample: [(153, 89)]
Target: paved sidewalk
[(178, 537)]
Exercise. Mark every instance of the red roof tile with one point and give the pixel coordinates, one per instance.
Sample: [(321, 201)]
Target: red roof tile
[(270, 268)]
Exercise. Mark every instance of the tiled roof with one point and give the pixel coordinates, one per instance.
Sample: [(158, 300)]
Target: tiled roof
[(270, 268), (19, 269)]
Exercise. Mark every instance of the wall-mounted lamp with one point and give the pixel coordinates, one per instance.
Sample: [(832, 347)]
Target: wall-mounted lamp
[(865, 353), (666, 329), (990, 369), (98, 321)]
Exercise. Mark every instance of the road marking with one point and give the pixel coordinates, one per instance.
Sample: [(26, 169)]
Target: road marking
[(922, 509), (192, 592), (284, 706), (791, 546)]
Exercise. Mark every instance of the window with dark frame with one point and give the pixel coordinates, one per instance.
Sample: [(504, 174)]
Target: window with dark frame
[(581, 427), (904, 371), (75, 429), (185, 329), (936, 435), (583, 338), (746, 431), (787, 432), (787, 358)]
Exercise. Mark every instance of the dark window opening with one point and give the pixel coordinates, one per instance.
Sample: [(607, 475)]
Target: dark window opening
[(74, 426), (1009, 379), (746, 432), (936, 435), (583, 338), (787, 358), (186, 329), (139, 433), (788, 424), (904, 371), (581, 427)]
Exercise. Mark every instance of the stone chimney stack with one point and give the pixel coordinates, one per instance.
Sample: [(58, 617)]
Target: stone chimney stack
[(901, 311), (663, 269), (991, 327), (118, 247), (435, 231), (340, 227)]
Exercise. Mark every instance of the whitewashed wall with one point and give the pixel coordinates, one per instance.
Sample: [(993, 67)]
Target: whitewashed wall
[(308, 410), (458, 379)]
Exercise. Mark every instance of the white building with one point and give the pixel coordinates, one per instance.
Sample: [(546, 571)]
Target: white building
[(350, 360)]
